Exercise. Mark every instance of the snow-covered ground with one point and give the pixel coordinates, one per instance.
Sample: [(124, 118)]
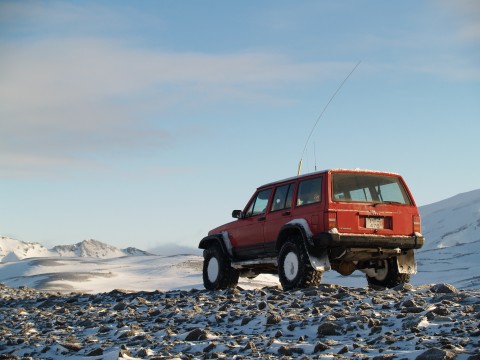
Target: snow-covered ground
[(163, 311), (149, 273), (94, 275)]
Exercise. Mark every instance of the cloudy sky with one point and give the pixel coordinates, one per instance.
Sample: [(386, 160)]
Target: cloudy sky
[(140, 123)]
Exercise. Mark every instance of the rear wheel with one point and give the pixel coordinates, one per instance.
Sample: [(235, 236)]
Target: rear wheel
[(217, 270), (388, 276), (294, 268)]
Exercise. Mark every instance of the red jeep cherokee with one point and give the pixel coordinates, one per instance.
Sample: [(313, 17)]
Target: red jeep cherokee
[(344, 220)]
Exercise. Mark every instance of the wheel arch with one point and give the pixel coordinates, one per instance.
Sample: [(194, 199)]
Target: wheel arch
[(217, 239), (320, 261), (291, 228)]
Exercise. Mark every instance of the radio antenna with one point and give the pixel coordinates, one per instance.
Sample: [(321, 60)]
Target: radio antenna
[(320, 116)]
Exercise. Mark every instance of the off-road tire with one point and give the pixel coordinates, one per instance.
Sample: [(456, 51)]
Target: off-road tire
[(218, 273), (294, 268), (390, 277)]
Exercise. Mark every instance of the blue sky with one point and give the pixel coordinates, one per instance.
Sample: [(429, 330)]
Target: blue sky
[(141, 123)]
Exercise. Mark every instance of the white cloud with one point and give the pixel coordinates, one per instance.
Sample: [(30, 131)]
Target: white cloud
[(468, 15), (84, 97)]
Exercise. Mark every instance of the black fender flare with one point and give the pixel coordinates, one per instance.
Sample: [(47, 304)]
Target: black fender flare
[(318, 257), (216, 239), (293, 227)]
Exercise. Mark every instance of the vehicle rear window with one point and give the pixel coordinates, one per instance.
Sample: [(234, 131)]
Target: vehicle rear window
[(353, 187)]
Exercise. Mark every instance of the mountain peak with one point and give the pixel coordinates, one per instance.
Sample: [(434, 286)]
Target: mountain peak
[(89, 248), (14, 250)]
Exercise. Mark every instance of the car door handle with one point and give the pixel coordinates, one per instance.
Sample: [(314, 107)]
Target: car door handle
[(286, 213), (262, 218)]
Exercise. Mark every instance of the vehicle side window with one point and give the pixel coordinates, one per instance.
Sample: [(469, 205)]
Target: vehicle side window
[(283, 197), (259, 204), (309, 191)]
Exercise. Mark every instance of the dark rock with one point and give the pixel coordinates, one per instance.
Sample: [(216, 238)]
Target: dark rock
[(444, 289), (96, 352), (196, 334), (262, 305), (442, 311), (250, 346), (285, 351), (273, 319), (328, 329), (143, 353), (409, 303), (120, 306), (413, 309), (72, 346), (403, 287), (104, 329), (435, 354), (209, 347), (320, 346)]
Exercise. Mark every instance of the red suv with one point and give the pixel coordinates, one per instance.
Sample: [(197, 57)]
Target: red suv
[(344, 220)]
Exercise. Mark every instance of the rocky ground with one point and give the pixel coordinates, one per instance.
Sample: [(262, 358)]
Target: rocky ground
[(427, 322)]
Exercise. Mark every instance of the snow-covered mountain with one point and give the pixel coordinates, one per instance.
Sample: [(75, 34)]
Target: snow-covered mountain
[(452, 231), (452, 222), (15, 250), (95, 248)]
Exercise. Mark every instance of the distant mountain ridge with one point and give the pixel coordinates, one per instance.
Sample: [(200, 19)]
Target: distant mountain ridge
[(89, 248), (15, 250)]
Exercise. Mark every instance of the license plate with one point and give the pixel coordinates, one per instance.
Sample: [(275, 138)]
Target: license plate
[(374, 223)]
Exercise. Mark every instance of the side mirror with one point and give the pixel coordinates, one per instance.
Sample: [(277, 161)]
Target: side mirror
[(237, 214)]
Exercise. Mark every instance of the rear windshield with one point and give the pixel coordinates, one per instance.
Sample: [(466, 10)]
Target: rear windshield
[(353, 187)]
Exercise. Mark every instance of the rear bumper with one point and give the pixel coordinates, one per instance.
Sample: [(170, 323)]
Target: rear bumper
[(329, 240)]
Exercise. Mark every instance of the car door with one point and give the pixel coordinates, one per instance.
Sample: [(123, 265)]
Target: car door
[(279, 214), (249, 234)]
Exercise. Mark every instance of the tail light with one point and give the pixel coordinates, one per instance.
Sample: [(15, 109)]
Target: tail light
[(331, 219), (417, 224)]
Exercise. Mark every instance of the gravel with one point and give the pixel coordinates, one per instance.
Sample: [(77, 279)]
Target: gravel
[(329, 321)]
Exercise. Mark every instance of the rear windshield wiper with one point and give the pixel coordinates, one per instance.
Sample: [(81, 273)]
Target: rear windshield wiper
[(388, 202)]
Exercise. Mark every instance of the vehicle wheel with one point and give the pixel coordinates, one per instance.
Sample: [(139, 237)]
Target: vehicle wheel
[(294, 268), (218, 273), (388, 276)]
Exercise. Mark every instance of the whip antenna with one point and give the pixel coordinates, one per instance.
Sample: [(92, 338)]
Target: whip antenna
[(320, 116)]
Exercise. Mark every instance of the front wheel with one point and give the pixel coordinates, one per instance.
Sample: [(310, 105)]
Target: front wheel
[(388, 276), (294, 268), (218, 273)]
